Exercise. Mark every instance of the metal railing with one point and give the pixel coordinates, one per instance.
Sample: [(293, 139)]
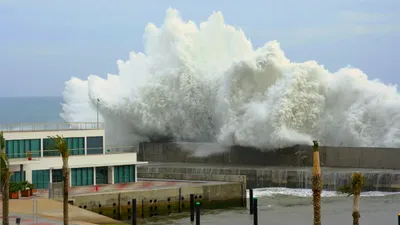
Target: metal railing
[(20, 127), (73, 152)]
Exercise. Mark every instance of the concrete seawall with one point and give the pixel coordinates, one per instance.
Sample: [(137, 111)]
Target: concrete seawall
[(220, 192), (296, 156), (259, 177)]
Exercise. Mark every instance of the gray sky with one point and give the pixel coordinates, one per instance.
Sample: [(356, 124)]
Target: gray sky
[(44, 43)]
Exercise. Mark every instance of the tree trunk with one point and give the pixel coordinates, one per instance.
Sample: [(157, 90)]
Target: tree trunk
[(66, 187), (6, 196), (316, 185), (356, 209)]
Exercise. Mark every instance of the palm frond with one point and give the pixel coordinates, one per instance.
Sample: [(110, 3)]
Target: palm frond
[(355, 186), (60, 144), (2, 141)]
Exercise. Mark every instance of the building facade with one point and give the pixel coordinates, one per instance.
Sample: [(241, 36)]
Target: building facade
[(33, 158)]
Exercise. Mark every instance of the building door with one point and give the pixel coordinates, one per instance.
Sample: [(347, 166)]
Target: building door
[(102, 175), (124, 174), (82, 176), (57, 176), (41, 179)]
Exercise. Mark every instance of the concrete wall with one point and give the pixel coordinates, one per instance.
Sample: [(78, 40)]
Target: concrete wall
[(211, 195), (379, 180), (376, 158)]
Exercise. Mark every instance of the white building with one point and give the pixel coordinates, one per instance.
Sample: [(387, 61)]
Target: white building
[(31, 158)]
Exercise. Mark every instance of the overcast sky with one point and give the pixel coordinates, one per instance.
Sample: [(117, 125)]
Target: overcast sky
[(44, 43)]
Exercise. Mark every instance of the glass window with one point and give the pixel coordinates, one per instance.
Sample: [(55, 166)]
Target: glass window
[(41, 178), (19, 148), (57, 176), (16, 176), (82, 176), (124, 174), (94, 145), (47, 148), (76, 145), (102, 175)]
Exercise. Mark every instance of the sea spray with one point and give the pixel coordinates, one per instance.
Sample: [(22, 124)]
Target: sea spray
[(207, 83)]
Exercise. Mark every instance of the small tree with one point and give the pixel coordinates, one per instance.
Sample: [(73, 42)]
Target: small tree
[(316, 184), (61, 145), (5, 178), (354, 188)]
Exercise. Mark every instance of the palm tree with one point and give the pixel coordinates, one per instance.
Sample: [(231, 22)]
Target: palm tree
[(5, 178), (354, 188), (61, 145), (316, 184)]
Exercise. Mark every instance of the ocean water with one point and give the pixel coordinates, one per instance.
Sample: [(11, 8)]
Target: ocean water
[(30, 109), (283, 206)]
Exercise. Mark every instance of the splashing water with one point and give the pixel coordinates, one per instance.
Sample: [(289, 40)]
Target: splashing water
[(270, 192), (206, 83)]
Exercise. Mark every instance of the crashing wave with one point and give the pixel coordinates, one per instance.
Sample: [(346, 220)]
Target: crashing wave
[(208, 83)]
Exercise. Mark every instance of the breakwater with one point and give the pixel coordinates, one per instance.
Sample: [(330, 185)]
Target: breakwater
[(291, 177), (168, 197), (296, 156)]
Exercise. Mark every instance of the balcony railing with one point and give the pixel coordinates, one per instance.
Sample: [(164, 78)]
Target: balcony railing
[(36, 154), (21, 127)]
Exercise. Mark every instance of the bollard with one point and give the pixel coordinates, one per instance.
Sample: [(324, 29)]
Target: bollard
[(191, 207), (251, 201), (197, 213), (255, 215), (134, 219), (18, 220), (142, 209), (180, 201), (119, 207)]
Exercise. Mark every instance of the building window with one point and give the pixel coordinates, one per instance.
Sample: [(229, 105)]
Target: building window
[(19, 148), (41, 178), (76, 146), (124, 174), (94, 145), (48, 148), (82, 176), (57, 176), (102, 175), (16, 176)]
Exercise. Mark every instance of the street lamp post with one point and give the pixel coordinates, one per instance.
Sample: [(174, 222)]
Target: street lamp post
[(97, 112)]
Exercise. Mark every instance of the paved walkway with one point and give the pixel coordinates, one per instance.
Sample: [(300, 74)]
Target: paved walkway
[(27, 219), (50, 212)]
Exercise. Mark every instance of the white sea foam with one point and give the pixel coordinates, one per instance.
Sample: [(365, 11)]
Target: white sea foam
[(270, 192), (208, 83)]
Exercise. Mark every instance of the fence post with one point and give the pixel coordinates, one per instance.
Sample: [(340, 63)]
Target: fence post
[(142, 208), (255, 215), (179, 200), (191, 207), (197, 213), (119, 206), (134, 219), (49, 190), (251, 201)]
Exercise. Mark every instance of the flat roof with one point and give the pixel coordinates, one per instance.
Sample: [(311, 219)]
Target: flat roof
[(58, 126)]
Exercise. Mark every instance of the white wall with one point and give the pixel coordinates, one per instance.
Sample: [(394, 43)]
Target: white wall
[(18, 135), (76, 161)]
